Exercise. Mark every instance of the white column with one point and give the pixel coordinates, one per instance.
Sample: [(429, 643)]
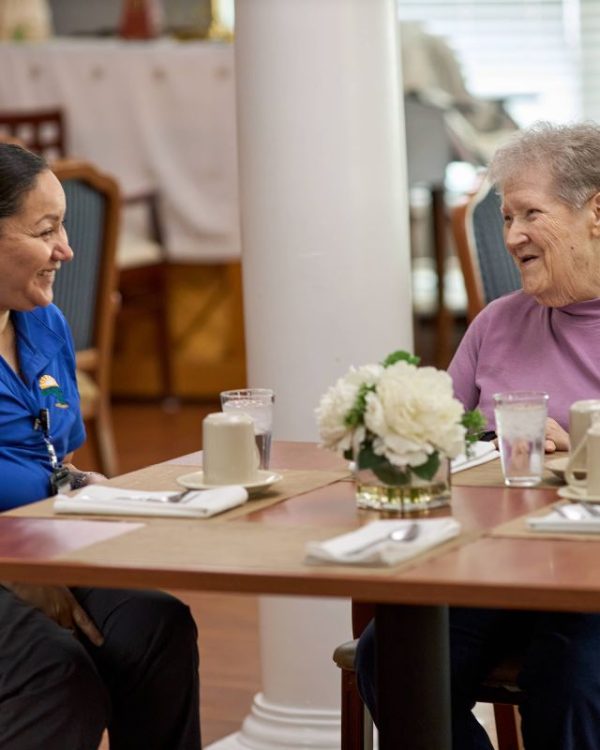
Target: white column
[(326, 277)]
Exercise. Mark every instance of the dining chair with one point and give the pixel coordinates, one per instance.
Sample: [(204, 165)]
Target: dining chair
[(488, 269), (86, 292), (144, 285), (498, 688), (42, 131)]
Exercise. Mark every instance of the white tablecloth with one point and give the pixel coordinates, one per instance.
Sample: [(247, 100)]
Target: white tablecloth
[(155, 115)]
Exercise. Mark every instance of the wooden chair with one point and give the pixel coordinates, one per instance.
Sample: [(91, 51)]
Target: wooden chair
[(42, 131), (488, 270), (144, 282), (499, 688), (86, 292)]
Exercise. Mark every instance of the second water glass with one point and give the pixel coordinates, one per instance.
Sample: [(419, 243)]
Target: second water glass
[(257, 403)]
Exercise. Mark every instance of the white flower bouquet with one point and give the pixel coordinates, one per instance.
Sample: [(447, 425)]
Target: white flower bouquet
[(396, 418)]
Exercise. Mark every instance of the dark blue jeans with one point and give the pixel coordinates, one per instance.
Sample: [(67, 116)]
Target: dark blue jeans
[(560, 675)]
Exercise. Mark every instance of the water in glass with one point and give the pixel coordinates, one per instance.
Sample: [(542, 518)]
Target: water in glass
[(521, 426)]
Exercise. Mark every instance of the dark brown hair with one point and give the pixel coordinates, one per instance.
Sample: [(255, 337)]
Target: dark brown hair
[(19, 170)]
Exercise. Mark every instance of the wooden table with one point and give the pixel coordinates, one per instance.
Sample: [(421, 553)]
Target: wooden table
[(263, 552)]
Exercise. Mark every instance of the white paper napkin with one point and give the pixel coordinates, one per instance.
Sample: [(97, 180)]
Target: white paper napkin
[(576, 520), (113, 501), (342, 549), (481, 453)]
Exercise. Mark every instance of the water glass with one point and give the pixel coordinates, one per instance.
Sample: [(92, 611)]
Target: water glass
[(521, 428), (257, 403)]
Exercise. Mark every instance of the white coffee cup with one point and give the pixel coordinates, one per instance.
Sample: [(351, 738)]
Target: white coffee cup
[(590, 444), (230, 455), (580, 419)]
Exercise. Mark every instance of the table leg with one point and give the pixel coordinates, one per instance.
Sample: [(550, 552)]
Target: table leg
[(413, 677)]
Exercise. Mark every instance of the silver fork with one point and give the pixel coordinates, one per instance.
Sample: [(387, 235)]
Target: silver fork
[(177, 498), (405, 534)]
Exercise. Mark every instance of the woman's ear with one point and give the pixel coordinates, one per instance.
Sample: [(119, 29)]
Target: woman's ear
[(594, 203)]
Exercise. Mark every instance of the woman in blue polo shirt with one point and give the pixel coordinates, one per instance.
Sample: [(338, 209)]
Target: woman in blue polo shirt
[(72, 661)]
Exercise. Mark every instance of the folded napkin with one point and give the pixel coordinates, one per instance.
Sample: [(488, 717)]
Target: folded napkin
[(112, 501), (573, 518), (346, 549), (481, 452)]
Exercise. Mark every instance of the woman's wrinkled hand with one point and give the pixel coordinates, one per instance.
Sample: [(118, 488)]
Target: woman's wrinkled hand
[(557, 439), (59, 604)]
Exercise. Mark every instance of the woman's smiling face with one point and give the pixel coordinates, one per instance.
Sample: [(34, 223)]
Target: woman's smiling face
[(556, 246), (33, 244)]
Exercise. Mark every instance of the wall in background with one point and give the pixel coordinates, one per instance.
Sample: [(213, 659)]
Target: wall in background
[(102, 16)]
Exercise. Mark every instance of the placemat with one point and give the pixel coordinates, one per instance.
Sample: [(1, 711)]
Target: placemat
[(517, 528), (490, 475), (249, 547), (164, 477)]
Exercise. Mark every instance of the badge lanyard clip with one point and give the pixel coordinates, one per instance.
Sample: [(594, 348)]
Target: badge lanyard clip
[(60, 479)]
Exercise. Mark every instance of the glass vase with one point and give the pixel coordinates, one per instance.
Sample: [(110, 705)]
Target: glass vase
[(414, 495)]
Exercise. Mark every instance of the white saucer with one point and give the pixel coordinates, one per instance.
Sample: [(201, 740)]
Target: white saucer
[(195, 481), (558, 466), (574, 493)]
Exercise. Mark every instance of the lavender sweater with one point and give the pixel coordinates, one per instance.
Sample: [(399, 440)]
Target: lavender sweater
[(515, 344)]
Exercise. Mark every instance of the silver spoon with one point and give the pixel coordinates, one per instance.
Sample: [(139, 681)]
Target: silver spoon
[(405, 534)]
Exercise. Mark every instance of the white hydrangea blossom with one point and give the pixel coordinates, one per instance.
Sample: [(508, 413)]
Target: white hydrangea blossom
[(411, 413), (336, 404)]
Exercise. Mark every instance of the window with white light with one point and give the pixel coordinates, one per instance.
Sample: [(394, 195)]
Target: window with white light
[(540, 54)]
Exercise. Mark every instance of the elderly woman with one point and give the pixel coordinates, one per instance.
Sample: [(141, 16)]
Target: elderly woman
[(544, 337), (72, 661)]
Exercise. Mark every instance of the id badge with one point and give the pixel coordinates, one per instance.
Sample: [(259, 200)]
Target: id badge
[(60, 480)]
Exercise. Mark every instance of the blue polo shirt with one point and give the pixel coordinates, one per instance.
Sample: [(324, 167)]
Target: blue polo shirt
[(47, 362)]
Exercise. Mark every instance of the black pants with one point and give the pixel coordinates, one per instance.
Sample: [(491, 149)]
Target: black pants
[(560, 675), (59, 692)]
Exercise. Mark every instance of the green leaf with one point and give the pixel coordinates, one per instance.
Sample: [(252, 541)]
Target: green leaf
[(381, 467), (400, 356), (474, 422), (429, 468), (356, 414), (367, 458)]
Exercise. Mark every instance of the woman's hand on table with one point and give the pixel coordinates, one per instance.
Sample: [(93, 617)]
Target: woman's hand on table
[(557, 439), (59, 604), (83, 478)]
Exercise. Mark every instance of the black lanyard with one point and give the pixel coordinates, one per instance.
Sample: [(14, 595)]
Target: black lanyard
[(60, 479)]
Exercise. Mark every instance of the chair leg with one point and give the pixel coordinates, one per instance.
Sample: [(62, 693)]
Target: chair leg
[(353, 714), (506, 727), (367, 730), (101, 433), (163, 331)]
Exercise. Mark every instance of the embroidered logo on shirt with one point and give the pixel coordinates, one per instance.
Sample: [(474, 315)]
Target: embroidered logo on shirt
[(50, 387)]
